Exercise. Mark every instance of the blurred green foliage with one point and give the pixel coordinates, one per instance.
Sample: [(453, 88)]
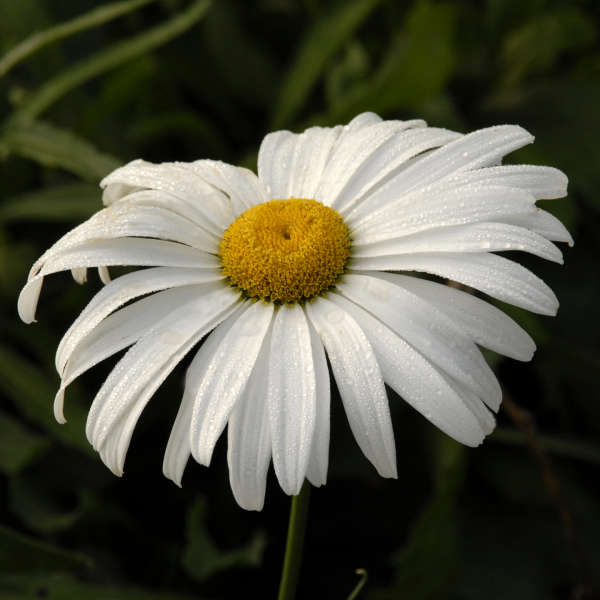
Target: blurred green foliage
[(85, 86)]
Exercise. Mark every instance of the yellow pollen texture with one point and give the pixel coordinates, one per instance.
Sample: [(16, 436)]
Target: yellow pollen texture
[(285, 250)]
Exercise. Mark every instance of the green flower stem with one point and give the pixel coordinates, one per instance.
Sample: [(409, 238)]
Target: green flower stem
[(294, 544)]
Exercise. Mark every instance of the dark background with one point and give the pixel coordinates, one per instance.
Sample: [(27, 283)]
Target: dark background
[(517, 518)]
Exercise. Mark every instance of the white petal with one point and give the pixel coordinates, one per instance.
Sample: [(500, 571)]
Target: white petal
[(359, 382), (104, 275), (176, 180), (113, 192), (221, 379), (482, 322), (319, 456), (496, 276), (540, 182), (291, 396), (350, 152), (132, 382), (125, 251), (544, 223), (308, 158), (273, 162), (486, 419), (120, 291), (425, 328), (443, 208), (240, 185), (415, 379), (249, 438), (79, 275), (481, 148), (473, 237), (391, 155)]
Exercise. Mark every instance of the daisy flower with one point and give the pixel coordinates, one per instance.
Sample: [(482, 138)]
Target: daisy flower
[(278, 273)]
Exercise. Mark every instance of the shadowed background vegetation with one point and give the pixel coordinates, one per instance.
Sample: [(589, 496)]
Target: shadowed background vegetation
[(101, 84)]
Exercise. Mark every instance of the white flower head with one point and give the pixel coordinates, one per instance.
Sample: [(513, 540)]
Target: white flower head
[(300, 264)]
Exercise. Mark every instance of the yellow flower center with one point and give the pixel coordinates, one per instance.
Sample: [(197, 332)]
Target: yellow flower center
[(285, 250)]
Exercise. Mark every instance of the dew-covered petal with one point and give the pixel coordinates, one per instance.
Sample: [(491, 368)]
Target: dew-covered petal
[(485, 324), (273, 161), (174, 179), (221, 378), (291, 396), (120, 291), (249, 438), (240, 185), (494, 275), (134, 379), (121, 251), (318, 463), (359, 382), (544, 223), (442, 208), (427, 329), (409, 139), (415, 379), (473, 237)]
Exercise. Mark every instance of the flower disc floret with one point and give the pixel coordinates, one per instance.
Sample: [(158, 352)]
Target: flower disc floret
[(285, 250)]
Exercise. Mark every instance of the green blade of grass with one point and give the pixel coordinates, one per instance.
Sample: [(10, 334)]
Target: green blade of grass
[(326, 38), (52, 146), (39, 39), (109, 58)]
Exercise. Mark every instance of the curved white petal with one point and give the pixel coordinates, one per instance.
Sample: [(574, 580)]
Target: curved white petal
[(249, 438), (273, 159), (494, 275), (120, 291), (544, 223), (134, 379), (475, 150), (408, 140), (540, 182), (240, 185), (442, 208), (359, 382), (121, 251), (426, 329), (176, 180), (318, 463), (291, 396), (415, 379), (104, 275), (473, 237), (485, 324), (222, 377)]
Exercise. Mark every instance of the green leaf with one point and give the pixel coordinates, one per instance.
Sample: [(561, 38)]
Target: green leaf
[(52, 146), (321, 43), (427, 565), (39, 39), (19, 447), (416, 68), (60, 586), (32, 395), (202, 558), (70, 202), (108, 59), (20, 553)]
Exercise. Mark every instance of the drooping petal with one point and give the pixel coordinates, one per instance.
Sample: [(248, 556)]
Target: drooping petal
[(494, 275), (425, 328), (359, 382), (220, 380), (134, 379), (122, 251), (120, 291), (291, 396), (415, 379), (473, 237), (249, 438), (318, 463), (481, 321)]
